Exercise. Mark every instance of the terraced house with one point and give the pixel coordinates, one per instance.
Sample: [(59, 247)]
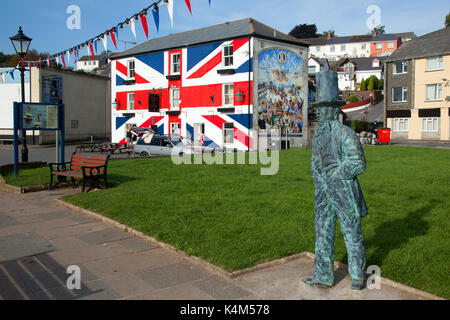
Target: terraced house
[(223, 83), (417, 94)]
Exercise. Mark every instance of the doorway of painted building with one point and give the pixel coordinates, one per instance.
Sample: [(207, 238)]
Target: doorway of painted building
[(175, 128), (199, 134)]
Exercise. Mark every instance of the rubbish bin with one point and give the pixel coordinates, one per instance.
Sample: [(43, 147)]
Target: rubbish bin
[(384, 135)]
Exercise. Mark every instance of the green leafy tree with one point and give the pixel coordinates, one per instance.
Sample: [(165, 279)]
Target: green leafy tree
[(447, 20), (304, 31), (362, 85), (371, 85)]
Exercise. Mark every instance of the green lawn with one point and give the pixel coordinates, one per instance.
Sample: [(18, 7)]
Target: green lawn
[(234, 217)]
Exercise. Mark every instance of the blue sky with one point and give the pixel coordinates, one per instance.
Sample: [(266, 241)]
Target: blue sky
[(45, 20)]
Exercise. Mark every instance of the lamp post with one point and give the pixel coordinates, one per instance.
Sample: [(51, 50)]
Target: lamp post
[(21, 44)]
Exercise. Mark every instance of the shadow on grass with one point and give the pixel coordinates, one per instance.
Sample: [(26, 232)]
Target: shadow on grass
[(393, 234), (115, 180)]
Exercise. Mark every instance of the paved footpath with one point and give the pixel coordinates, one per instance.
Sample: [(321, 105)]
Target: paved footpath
[(39, 240)]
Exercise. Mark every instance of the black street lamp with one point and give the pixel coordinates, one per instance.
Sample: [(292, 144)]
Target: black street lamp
[(21, 43)]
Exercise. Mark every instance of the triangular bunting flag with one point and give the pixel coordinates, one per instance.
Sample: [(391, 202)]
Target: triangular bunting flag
[(95, 46), (75, 54), (144, 23), (40, 62), (117, 32), (132, 27), (209, 2), (3, 77), (105, 42), (21, 61), (155, 12), (88, 51), (188, 3), (12, 74), (48, 61), (92, 50), (170, 9), (111, 32), (68, 56), (64, 62)]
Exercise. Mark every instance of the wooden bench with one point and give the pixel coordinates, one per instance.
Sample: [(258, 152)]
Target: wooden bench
[(89, 168)]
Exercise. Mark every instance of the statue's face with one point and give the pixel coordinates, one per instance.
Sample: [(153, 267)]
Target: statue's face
[(327, 113)]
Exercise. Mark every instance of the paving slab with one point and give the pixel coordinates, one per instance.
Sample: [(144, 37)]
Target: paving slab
[(103, 236), (22, 245), (136, 244), (221, 289), (172, 275)]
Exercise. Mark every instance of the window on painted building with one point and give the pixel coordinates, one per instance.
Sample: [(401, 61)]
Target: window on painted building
[(130, 101), (342, 47), (175, 65), (175, 99), (318, 49), (228, 94), (311, 69), (400, 124), (400, 67), (131, 69), (399, 94), (332, 48), (227, 55), (228, 133), (379, 46), (390, 45), (85, 63), (436, 63), (153, 103), (434, 92), (430, 124), (363, 46)]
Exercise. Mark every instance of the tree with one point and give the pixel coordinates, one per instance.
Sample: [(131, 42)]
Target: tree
[(303, 31), (326, 33), (371, 86), (362, 86), (447, 21)]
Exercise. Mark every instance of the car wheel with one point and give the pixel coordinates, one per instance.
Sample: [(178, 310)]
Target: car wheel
[(144, 154)]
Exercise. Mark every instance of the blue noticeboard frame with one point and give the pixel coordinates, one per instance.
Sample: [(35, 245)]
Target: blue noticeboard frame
[(45, 118)]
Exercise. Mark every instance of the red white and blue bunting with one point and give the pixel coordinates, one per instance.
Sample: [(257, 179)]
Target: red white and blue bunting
[(91, 45)]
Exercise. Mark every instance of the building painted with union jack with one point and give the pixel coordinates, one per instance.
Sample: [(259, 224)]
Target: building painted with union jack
[(229, 82)]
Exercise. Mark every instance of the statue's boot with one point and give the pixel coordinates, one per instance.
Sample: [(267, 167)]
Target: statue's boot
[(357, 285), (312, 282)]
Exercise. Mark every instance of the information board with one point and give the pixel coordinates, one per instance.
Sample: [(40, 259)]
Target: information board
[(39, 117)]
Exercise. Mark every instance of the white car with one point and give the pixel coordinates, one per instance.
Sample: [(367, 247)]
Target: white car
[(165, 145)]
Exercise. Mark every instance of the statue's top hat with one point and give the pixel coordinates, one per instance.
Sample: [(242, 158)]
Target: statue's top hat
[(327, 90)]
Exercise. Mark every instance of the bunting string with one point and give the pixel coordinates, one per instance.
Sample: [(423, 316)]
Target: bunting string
[(92, 44)]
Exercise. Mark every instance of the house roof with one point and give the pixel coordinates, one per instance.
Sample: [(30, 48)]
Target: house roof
[(321, 61), (228, 30), (362, 64), (436, 43), (89, 58), (352, 39)]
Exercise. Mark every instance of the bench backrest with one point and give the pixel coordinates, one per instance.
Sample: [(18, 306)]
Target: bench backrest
[(80, 160)]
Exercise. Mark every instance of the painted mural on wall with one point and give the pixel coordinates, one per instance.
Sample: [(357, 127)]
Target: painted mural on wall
[(281, 93)]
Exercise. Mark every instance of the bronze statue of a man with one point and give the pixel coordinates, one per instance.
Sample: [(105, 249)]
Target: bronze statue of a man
[(337, 159)]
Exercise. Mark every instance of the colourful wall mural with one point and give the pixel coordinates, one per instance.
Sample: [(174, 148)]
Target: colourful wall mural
[(281, 91)]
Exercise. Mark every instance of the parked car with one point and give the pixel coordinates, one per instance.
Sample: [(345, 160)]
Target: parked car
[(166, 145)]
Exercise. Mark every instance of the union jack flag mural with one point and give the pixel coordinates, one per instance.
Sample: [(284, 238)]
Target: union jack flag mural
[(193, 90)]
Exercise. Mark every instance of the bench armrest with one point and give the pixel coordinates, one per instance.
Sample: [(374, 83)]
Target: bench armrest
[(93, 170), (60, 166)]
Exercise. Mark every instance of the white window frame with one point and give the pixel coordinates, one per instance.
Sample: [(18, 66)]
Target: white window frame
[(342, 47), (400, 124), (173, 64), (390, 45), (131, 69), (363, 46), (434, 123), (404, 95), (228, 56), (225, 130), (404, 68), (130, 100), (175, 99), (379, 46), (229, 94), (332, 48), (318, 48), (440, 64), (438, 89)]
